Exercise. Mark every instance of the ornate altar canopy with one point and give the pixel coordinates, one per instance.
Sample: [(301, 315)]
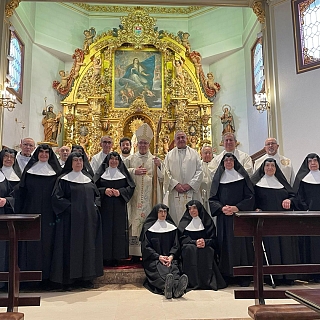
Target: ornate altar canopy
[(131, 75)]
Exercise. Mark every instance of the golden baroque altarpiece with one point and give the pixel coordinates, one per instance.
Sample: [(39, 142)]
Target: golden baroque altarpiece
[(108, 90)]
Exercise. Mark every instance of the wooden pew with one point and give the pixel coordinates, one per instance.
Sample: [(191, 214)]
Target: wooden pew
[(260, 224), (18, 227)]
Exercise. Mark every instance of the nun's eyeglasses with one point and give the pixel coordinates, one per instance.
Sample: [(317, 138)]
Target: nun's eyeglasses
[(162, 211), (312, 160)]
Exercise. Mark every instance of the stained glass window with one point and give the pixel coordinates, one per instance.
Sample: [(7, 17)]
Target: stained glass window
[(15, 66), (257, 67), (306, 21)]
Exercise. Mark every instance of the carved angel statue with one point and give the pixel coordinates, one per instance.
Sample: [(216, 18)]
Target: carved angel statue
[(209, 87), (88, 38), (184, 37), (64, 86), (64, 80)]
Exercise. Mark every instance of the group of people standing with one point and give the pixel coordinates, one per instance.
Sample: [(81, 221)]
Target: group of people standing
[(98, 213)]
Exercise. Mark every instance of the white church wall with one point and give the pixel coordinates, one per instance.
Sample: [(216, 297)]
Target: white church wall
[(12, 130), (231, 75), (298, 94), (43, 74), (40, 69), (257, 122)]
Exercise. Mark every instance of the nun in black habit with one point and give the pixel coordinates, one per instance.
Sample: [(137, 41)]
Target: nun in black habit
[(198, 241), (77, 255), (34, 196), (9, 166), (116, 189), (231, 191), (307, 188), (6, 205), (160, 253), (274, 193), (86, 164)]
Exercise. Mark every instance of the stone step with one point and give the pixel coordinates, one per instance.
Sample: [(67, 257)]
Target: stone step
[(121, 275)]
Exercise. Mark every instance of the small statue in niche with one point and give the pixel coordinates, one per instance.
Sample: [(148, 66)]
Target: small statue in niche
[(88, 39), (179, 70), (193, 142), (97, 65), (196, 59), (78, 62), (165, 144), (84, 142)]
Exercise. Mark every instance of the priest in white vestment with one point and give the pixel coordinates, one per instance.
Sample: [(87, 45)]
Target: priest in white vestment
[(27, 146), (106, 144), (183, 176), (230, 143), (271, 146), (142, 166)]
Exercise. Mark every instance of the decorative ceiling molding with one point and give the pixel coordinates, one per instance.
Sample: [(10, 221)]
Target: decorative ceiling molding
[(96, 8), (208, 3)]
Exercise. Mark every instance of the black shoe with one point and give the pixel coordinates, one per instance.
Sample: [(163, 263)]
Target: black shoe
[(244, 282), (288, 282), (135, 260), (181, 287), (87, 284), (168, 286)]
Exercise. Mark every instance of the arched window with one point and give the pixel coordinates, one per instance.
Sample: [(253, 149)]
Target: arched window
[(306, 22), (257, 67), (15, 65)]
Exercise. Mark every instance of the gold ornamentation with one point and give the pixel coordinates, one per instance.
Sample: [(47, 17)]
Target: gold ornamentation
[(285, 162), (89, 107), (10, 7), (258, 9)]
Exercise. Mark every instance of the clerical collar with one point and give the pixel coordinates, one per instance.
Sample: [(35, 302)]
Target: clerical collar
[(229, 176), (25, 157), (42, 169), (76, 177), (195, 225), (313, 177), (162, 226), (10, 174), (269, 182), (2, 177), (112, 174)]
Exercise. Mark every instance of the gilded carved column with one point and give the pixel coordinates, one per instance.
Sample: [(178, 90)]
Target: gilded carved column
[(258, 7), (11, 6)]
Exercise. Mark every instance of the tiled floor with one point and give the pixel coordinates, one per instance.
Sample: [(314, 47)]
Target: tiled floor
[(120, 302)]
